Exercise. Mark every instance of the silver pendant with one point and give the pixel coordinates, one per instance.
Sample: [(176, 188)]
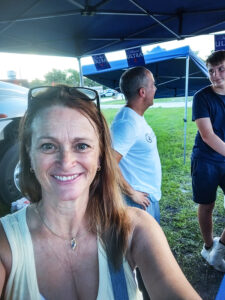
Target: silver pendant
[(73, 243)]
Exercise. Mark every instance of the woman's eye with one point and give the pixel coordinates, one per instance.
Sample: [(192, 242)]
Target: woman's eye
[(48, 147), (81, 147)]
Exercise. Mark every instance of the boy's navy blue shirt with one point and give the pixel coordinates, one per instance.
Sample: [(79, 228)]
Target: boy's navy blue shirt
[(208, 104)]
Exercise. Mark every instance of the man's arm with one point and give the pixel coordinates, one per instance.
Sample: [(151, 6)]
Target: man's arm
[(209, 137), (138, 197)]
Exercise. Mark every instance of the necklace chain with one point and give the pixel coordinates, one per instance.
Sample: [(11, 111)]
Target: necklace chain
[(73, 242)]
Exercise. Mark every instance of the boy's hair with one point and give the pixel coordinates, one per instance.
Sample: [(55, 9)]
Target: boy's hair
[(216, 58)]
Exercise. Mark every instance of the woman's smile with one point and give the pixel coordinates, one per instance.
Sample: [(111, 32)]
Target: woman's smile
[(66, 178)]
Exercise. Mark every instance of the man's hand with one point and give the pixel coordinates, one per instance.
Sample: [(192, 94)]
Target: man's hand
[(140, 198)]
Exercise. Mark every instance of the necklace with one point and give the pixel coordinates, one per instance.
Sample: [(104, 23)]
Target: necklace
[(72, 241)]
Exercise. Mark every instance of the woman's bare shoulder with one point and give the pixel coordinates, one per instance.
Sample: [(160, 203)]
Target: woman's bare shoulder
[(144, 228), (140, 219)]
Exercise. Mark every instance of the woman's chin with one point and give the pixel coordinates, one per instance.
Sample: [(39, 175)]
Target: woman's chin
[(66, 196)]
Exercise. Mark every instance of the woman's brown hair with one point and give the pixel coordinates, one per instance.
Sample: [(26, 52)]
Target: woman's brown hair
[(106, 210)]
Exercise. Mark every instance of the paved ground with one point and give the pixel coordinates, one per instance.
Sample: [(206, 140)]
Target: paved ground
[(162, 104)]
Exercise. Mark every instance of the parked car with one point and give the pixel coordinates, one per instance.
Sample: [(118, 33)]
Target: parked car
[(108, 93), (13, 104)]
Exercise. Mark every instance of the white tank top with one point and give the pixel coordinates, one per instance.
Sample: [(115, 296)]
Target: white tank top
[(22, 282)]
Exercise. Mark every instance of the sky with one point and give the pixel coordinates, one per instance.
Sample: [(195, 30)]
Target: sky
[(31, 67)]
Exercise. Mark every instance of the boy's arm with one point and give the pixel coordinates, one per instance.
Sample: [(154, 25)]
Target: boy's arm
[(209, 137)]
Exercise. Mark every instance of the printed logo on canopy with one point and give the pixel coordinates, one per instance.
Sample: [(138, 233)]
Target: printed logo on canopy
[(101, 62), (135, 57), (219, 41)]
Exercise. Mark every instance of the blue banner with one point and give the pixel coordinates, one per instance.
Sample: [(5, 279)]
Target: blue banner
[(101, 62), (219, 41), (135, 57)]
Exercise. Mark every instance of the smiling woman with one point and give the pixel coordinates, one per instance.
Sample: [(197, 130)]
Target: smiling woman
[(64, 154), (77, 239)]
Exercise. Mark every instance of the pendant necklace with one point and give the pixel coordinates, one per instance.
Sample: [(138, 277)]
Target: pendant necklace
[(72, 241)]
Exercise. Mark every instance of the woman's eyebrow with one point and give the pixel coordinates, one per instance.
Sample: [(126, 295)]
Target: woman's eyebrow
[(75, 139), (47, 137)]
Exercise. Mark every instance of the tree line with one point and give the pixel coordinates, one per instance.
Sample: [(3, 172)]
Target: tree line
[(70, 77)]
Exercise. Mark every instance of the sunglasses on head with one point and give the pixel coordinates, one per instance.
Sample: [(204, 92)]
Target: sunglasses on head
[(89, 94)]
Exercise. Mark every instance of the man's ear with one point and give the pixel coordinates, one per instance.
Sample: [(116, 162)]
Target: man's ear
[(141, 92)]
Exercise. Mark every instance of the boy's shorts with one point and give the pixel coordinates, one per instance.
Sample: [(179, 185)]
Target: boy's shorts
[(206, 177)]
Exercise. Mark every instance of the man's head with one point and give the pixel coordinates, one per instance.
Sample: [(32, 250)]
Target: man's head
[(135, 79), (216, 67)]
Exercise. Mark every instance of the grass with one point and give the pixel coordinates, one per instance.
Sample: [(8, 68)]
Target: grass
[(178, 212)]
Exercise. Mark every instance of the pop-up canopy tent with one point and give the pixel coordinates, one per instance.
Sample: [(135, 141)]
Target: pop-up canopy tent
[(177, 72), (79, 28), (168, 68)]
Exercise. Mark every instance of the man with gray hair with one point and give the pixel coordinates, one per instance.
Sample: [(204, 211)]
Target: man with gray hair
[(135, 146), (135, 143)]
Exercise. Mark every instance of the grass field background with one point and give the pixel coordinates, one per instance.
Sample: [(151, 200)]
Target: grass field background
[(178, 212)]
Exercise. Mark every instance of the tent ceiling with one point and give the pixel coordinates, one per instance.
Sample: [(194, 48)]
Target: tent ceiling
[(83, 27)]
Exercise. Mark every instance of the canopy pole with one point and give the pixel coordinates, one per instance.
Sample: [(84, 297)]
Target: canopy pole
[(186, 101), (80, 72)]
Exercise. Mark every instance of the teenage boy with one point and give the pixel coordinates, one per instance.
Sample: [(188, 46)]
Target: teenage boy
[(208, 156)]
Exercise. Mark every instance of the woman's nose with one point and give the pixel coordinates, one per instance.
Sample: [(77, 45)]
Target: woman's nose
[(67, 158)]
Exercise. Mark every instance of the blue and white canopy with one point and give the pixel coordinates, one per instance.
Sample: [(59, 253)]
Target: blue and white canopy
[(168, 68)]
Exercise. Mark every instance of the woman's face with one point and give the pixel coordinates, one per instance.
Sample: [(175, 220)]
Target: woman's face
[(64, 153)]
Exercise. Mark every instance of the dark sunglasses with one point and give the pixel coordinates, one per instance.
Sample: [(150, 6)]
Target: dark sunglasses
[(91, 95)]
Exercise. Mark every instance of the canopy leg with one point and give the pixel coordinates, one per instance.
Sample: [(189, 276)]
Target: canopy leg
[(185, 110), (80, 72)]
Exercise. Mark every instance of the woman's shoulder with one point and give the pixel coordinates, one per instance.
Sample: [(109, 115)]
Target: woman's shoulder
[(140, 218), (145, 232), (144, 228)]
